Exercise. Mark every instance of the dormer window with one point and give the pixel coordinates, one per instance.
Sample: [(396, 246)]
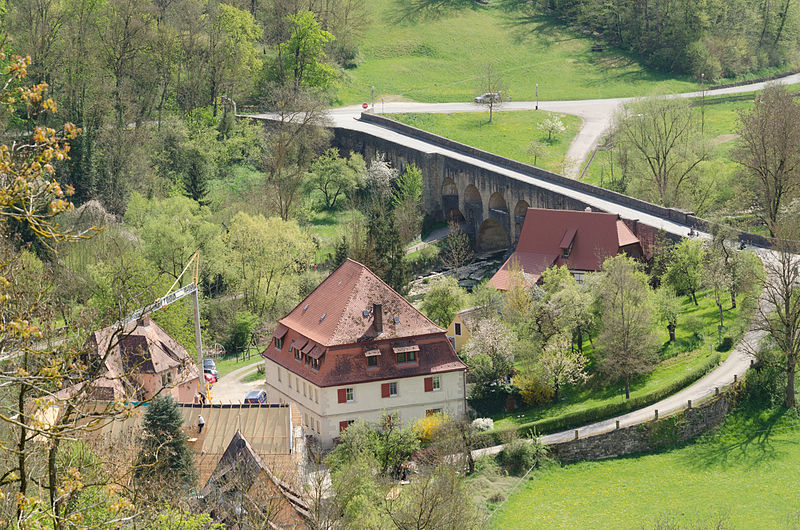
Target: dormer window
[(406, 354), (567, 241), (278, 343)]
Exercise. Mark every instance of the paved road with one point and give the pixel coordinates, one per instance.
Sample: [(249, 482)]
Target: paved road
[(597, 114)]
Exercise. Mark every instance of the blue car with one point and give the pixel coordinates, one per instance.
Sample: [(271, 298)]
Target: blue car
[(256, 396)]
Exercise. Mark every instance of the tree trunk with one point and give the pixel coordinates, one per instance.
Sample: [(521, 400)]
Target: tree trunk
[(784, 14), (791, 365), (733, 299), (694, 298), (627, 388), (671, 328), (721, 322), (580, 339), (556, 388)]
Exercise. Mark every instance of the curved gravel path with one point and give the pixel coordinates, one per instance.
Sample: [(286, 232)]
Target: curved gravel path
[(231, 389)]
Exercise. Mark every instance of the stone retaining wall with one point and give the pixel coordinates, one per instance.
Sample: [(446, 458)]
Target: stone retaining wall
[(650, 436)]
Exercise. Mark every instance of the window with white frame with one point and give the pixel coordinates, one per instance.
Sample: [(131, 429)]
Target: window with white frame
[(393, 388), (436, 383), (348, 394)]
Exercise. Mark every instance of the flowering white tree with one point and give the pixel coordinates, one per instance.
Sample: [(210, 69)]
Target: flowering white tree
[(560, 364), (490, 352), (552, 125)]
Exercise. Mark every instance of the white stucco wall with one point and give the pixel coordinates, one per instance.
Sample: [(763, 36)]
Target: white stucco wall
[(322, 412)]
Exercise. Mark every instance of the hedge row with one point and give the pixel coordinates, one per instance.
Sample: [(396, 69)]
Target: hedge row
[(592, 415)]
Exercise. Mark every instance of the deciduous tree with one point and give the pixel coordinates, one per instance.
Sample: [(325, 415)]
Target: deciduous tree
[(490, 352), (685, 267), (560, 364), (626, 341), (768, 149), (336, 177), (663, 139), (443, 300)]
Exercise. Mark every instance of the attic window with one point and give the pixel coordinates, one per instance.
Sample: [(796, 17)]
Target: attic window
[(340, 282), (323, 317), (396, 320), (305, 307), (567, 242)]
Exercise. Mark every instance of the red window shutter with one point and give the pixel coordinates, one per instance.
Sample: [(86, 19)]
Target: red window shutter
[(429, 384), (385, 390), (343, 395), (343, 425)]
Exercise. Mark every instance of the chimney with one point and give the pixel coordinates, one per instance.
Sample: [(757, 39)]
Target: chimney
[(377, 317)]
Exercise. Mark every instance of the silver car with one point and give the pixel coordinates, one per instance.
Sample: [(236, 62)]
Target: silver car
[(489, 97)]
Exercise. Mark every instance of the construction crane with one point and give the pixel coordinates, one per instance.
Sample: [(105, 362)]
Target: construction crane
[(203, 387)]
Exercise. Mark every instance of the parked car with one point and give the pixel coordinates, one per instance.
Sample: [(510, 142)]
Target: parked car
[(210, 367), (489, 97), (209, 377), (256, 396)]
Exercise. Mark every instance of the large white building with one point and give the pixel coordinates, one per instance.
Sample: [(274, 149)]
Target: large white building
[(354, 348)]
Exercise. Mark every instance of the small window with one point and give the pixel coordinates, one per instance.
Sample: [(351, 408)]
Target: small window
[(278, 343), (298, 355), (578, 277), (406, 357), (279, 375), (436, 383), (348, 393), (315, 364), (458, 329), (452, 342), (393, 389), (166, 379), (372, 361), (431, 412)]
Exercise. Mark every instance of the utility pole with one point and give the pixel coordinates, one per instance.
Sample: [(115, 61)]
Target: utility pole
[(537, 96)]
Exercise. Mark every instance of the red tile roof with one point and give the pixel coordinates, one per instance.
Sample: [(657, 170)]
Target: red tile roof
[(545, 233), (339, 310), (342, 338)]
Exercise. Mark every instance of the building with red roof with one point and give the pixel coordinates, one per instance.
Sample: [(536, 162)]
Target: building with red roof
[(578, 240), (354, 348)]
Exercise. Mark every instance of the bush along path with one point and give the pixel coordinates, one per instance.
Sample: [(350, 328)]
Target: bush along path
[(734, 367)]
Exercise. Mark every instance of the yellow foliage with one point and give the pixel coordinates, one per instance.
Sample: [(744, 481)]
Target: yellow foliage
[(425, 428), (533, 389)]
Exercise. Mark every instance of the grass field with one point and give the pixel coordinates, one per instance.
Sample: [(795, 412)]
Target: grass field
[(744, 475), (509, 134), (326, 226), (442, 59), (226, 365), (686, 356)]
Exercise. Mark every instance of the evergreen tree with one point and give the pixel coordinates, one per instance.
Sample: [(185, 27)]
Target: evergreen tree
[(195, 177), (165, 455), (341, 251), (385, 240)]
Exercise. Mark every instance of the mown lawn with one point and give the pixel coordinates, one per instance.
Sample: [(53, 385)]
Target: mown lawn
[(744, 475), (687, 355), (326, 227), (442, 59), (510, 133), (226, 365)]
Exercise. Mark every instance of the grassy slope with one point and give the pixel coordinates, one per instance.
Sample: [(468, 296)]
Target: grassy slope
[(442, 59), (746, 474), (672, 369), (509, 134)]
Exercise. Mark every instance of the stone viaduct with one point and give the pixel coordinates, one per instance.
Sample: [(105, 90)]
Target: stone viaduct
[(489, 206)]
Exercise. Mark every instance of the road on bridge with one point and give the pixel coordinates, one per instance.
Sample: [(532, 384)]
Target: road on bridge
[(597, 114)]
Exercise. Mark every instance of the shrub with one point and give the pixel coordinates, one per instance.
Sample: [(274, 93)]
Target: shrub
[(694, 324), (519, 455), (426, 428), (725, 345), (483, 424), (532, 389)]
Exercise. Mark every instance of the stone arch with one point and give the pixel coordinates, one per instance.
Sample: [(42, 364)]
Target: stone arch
[(498, 203), (519, 216), (473, 205), (450, 200), (491, 236), (454, 215), (449, 187)]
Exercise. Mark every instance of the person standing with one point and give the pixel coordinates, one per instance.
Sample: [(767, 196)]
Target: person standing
[(200, 423)]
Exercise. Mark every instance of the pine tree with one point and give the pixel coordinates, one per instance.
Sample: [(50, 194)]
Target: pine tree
[(165, 455), (385, 240)]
